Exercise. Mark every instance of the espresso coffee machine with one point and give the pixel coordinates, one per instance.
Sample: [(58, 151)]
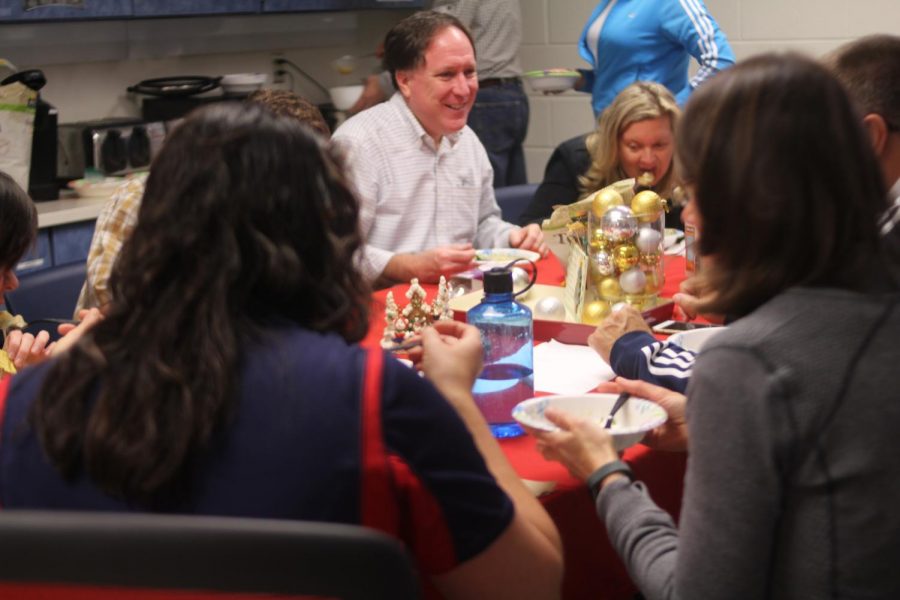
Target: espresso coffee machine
[(42, 184)]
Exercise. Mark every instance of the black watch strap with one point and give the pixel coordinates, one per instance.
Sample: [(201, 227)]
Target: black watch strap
[(596, 478)]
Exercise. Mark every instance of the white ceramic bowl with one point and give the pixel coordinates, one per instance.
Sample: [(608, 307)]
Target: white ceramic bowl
[(552, 80), (345, 96), (636, 417), (695, 340), (242, 83)]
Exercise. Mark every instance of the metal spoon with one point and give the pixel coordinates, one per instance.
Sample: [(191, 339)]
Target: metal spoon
[(623, 397)]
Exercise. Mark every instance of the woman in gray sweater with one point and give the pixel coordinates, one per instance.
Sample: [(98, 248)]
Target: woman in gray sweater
[(793, 479)]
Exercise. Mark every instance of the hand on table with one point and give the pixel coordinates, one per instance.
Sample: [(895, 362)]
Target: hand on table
[(26, 349), (429, 265), (72, 332), (692, 296), (529, 237), (450, 357), (615, 326)]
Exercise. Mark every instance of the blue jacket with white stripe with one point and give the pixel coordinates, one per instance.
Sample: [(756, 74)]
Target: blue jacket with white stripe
[(639, 355), (652, 40)]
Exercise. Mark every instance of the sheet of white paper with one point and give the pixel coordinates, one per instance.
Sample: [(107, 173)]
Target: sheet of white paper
[(568, 368)]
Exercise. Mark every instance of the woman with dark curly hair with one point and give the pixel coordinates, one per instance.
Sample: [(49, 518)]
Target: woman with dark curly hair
[(226, 378)]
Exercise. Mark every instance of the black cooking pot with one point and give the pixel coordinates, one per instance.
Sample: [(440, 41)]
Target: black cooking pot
[(185, 85), (32, 78)]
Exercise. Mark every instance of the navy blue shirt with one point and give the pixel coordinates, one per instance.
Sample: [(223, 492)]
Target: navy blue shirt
[(292, 450)]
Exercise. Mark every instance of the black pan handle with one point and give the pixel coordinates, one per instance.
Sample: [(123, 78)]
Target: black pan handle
[(187, 85)]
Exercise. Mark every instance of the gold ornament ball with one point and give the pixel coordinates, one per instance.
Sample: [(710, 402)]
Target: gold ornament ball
[(594, 312), (604, 200), (598, 240), (626, 256), (651, 260), (610, 289), (647, 205), (650, 301), (635, 300)]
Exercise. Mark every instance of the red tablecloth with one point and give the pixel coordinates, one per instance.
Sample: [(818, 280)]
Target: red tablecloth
[(593, 571)]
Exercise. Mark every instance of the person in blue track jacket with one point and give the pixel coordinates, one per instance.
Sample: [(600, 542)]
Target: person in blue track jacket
[(650, 40)]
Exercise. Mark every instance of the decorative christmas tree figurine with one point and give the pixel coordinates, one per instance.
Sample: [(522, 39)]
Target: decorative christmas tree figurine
[(401, 325), (416, 312), (391, 312), (440, 309)]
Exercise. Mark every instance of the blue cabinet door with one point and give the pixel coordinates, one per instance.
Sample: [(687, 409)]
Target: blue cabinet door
[(39, 257), (63, 10), (177, 8), (72, 242), (302, 5)]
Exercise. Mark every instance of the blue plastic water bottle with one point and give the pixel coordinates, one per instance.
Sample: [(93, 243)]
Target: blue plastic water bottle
[(507, 338)]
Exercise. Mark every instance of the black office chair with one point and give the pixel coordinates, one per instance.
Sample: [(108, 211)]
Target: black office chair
[(514, 199), (49, 294), (50, 551)]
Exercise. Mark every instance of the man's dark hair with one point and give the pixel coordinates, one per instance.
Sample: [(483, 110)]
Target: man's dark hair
[(870, 70), (406, 43)]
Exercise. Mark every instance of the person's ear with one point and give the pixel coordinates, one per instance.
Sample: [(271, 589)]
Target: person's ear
[(878, 131), (403, 82)]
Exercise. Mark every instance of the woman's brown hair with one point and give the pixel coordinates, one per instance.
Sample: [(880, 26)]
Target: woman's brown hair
[(246, 225), (786, 183)]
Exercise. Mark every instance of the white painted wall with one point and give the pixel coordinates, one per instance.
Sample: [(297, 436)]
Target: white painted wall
[(88, 67), (552, 28)]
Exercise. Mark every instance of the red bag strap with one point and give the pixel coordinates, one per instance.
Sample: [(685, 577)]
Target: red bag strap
[(4, 391), (379, 500)]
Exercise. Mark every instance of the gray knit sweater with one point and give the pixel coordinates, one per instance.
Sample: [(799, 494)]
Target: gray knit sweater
[(793, 481)]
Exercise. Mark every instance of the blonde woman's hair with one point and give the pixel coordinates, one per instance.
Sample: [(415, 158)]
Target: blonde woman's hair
[(638, 102)]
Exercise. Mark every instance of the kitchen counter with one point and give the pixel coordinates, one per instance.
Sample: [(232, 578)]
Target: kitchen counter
[(68, 210)]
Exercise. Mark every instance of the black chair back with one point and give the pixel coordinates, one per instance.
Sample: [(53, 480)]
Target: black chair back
[(514, 199), (208, 554)]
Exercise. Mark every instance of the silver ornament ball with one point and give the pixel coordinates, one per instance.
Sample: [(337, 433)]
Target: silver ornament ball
[(521, 278), (633, 281), (602, 264), (648, 240), (619, 224), (550, 308)]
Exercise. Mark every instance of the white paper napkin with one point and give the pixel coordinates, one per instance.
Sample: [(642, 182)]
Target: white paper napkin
[(568, 369)]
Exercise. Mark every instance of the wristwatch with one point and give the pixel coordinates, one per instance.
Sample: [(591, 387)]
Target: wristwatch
[(596, 478)]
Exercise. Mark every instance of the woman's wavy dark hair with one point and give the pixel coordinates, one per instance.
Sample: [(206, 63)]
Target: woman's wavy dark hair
[(246, 222), (786, 182), (18, 222)]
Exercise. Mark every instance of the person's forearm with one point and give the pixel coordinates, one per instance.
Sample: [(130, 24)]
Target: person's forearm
[(526, 504), (402, 268)]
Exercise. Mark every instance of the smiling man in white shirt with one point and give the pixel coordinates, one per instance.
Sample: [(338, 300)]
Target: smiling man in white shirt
[(424, 180)]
